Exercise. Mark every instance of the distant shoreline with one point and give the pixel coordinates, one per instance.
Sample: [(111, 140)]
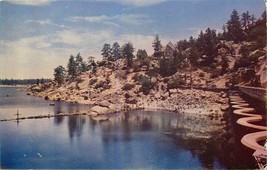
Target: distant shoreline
[(24, 86)]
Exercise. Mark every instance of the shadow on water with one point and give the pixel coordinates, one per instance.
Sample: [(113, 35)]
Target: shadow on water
[(63, 107)]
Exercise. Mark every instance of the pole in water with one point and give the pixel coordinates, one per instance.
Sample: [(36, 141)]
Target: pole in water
[(17, 117), (17, 114)]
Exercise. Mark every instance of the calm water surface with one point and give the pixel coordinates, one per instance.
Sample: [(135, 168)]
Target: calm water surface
[(128, 140)]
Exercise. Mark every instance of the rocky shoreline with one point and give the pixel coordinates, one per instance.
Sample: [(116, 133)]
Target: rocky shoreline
[(188, 101), (112, 89)]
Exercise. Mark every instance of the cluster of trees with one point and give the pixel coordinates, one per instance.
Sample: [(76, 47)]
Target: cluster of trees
[(75, 67), (117, 52), (111, 53), (245, 27), (202, 50), (23, 81)]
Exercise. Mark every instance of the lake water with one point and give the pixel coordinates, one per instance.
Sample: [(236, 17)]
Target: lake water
[(134, 139)]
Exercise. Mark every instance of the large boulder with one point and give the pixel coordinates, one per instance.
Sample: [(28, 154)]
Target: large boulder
[(98, 110), (36, 88), (154, 80), (166, 94), (173, 91), (157, 95), (104, 103), (112, 107), (131, 100)]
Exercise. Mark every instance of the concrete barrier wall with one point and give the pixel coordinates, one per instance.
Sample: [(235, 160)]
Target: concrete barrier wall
[(254, 92)]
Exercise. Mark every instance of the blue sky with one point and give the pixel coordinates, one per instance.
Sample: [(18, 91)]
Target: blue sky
[(37, 36)]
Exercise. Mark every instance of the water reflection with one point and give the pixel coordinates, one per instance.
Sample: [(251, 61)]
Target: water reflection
[(75, 124), (197, 135)]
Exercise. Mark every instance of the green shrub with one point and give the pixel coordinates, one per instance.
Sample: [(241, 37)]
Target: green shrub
[(243, 62), (245, 49), (147, 85), (128, 86), (153, 72), (137, 77), (166, 80), (201, 74), (213, 66), (215, 73), (175, 83), (92, 81)]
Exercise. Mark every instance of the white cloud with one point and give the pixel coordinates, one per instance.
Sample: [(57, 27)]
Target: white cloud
[(131, 19), (141, 3), (136, 3), (100, 18), (45, 22), (30, 2), (67, 37), (134, 19), (35, 57)]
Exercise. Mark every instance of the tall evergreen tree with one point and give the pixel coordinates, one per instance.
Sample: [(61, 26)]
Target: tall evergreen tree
[(157, 47), (246, 21), (72, 67), (127, 53), (59, 74), (200, 41), (79, 63), (116, 51), (206, 45), (106, 52), (183, 45), (234, 27)]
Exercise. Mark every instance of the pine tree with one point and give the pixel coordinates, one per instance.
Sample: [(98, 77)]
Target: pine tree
[(200, 41), (106, 52), (72, 67), (116, 51), (127, 53), (206, 45), (59, 74), (79, 62), (157, 47), (234, 27), (245, 21)]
